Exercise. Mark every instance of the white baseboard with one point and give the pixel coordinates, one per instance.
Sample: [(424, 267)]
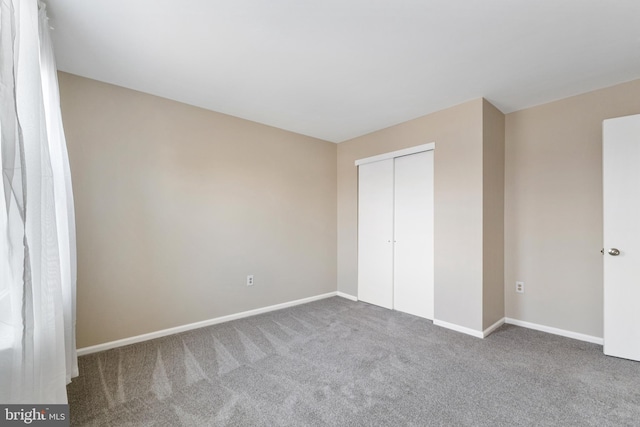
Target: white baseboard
[(201, 324), (469, 331), (521, 323), (492, 328), (554, 331), (458, 328), (347, 296), (222, 319)]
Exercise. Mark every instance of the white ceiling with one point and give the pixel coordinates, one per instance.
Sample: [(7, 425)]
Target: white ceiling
[(337, 69)]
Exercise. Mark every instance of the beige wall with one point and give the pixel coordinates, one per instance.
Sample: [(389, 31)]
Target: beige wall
[(457, 132), (553, 208), (175, 205), (493, 215)]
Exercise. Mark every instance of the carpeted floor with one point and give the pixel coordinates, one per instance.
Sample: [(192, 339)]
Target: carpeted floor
[(336, 362)]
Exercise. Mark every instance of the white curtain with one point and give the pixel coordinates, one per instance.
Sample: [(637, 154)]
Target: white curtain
[(37, 226)]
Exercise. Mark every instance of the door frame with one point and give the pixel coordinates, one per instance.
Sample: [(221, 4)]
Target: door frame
[(397, 153)]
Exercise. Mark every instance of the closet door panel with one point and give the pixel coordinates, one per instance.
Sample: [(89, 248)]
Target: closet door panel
[(413, 235), (375, 233)]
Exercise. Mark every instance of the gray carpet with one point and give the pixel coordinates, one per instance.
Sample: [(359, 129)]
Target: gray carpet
[(340, 363)]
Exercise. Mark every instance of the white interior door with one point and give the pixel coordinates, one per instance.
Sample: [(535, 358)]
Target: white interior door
[(621, 173), (413, 235), (375, 233)]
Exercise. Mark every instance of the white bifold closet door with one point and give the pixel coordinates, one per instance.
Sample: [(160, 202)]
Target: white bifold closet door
[(375, 233), (413, 235), (395, 233)]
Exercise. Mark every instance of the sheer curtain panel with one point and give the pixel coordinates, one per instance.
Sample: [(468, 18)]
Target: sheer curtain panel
[(37, 227)]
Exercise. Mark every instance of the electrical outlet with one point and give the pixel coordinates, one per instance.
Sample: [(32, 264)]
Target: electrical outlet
[(250, 280), (520, 287)]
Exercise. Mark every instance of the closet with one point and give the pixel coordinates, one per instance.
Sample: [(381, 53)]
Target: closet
[(395, 230)]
